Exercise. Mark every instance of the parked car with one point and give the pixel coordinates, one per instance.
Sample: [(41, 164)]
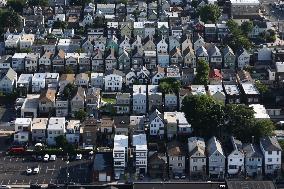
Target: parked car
[(52, 158), (46, 157), (29, 171), (39, 158), (36, 170), (78, 156)]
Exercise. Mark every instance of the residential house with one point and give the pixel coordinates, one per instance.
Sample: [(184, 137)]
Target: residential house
[(138, 58), (82, 80), (26, 41), (187, 76), (183, 127), (215, 56), (140, 149), (97, 80), (158, 165), (58, 62), (78, 101), (110, 60), (210, 32), (55, 128), (39, 129), (46, 104), (106, 126), (84, 63), (29, 108), (143, 76), (64, 80), (139, 99), (120, 154), (229, 57), (121, 125), (216, 158), (244, 8), (216, 92), (73, 131), (198, 42), (122, 104), (176, 158), (197, 156), (89, 130), (242, 58), (31, 62), (44, 63), (93, 100), (163, 29), (156, 124), (98, 61), (150, 59), (51, 80), (61, 106), (176, 57), (232, 94), (71, 61), (18, 62), (22, 130), (103, 167), (8, 80), (235, 156), (189, 58), (157, 74), (253, 159), (155, 100), (271, 151), (148, 44), (171, 102), (202, 54), (170, 124), (113, 82), (38, 82), (124, 61), (250, 93)]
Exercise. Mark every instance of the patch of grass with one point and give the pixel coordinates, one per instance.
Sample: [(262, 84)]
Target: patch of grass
[(109, 100)]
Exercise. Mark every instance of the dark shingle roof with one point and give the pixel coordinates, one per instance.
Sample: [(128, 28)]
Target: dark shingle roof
[(270, 143)]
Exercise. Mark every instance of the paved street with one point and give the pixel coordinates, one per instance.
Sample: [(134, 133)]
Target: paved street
[(13, 171)]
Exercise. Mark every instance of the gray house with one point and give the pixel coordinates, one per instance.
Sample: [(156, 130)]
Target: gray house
[(253, 159), (197, 156), (229, 57), (216, 158), (176, 157)]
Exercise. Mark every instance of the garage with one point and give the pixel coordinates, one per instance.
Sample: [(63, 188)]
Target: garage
[(102, 177)]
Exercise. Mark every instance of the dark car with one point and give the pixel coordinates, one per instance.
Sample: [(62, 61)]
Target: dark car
[(35, 186)]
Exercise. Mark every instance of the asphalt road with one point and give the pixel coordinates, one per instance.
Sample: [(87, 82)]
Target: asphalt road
[(13, 171)]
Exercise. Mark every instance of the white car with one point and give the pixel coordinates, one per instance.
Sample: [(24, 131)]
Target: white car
[(36, 170), (52, 158), (29, 171), (78, 156), (46, 157)]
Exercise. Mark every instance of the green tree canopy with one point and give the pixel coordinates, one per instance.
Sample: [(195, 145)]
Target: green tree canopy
[(38, 2), (202, 75), (79, 2), (169, 85), (9, 19), (16, 5), (59, 25), (81, 115), (61, 141), (69, 91), (247, 27), (210, 13), (210, 118), (262, 88)]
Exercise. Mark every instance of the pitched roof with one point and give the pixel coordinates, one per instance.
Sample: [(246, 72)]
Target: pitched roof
[(175, 148), (252, 151), (270, 143), (68, 77), (47, 95), (213, 145)]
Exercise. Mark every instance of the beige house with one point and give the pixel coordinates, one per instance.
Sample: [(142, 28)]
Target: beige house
[(39, 129), (197, 156), (46, 103)]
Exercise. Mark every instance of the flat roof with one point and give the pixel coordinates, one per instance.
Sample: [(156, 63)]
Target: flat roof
[(139, 140), (25, 78), (20, 55), (56, 123), (259, 111), (198, 90), (23, 121), (120, 141), (249, 88), (232, 89), (31, 102), (39, 123), (215, 88), (139, 89)]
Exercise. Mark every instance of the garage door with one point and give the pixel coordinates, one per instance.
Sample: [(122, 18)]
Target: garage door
[(102, 177)]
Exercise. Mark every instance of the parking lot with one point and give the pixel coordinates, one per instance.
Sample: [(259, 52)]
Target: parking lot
[(13, 171)]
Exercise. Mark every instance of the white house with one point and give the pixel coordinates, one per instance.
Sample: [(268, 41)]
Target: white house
[(73, 131), (38, 82), (139, 144), (120, 154), (12, 41), (22, 129), (113, 82), (26, 41), (162, 46), (18, 61), (272, 154), (55, 128), (171, 101), (139, 99), (30, 106), (235, 157), (157, 124), (243, 58)]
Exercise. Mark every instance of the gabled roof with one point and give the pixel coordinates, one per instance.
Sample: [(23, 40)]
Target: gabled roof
[(175, 148), (155, 114), (270, 143), (68, 77), (227, 50), (252, 151), (80, 93), (201, 50), (47, 95), (212, 146), (10, 74), (212, 49)]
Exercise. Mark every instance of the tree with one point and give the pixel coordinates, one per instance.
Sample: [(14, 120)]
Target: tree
[(81, 115), (69, 90), (210, 13), (59, 25), (202, 75), (9, 19), (169, 85), (38, 3), (204, 113), (79, 2), (262, 127), (16, 5), (247, 27), (262, 88), (61, 141)]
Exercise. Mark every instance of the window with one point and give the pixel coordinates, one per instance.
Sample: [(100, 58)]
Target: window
[(269, 152), (179, 164)]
